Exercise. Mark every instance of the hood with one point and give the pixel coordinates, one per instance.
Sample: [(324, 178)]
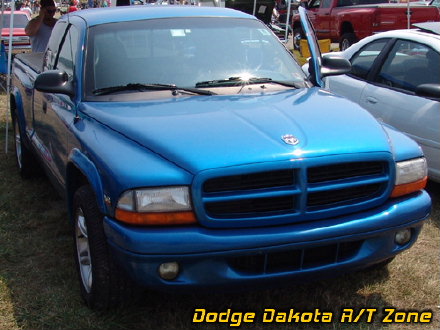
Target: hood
[(206, 132)]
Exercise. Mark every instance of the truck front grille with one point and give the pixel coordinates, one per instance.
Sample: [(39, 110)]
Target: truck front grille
[(294, 194)]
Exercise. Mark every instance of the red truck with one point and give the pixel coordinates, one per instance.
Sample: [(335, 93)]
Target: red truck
[(347, 21)]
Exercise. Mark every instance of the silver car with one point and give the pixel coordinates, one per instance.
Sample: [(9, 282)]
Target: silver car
[(396, 76)]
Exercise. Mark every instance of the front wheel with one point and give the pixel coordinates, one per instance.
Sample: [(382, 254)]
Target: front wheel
[(347, 40), (103, 285)]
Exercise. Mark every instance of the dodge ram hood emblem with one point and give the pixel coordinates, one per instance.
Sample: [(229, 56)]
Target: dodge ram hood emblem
[(290, 139)]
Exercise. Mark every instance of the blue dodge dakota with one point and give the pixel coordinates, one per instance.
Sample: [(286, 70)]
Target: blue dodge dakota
[(194, 152)]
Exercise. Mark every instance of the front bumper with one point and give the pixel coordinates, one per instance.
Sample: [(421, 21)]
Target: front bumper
[(249, 256)]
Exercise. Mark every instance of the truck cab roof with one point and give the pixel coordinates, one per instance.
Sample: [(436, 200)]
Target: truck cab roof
[(118, 14)]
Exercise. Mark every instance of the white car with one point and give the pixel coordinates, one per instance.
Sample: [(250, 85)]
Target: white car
[(396, 76)]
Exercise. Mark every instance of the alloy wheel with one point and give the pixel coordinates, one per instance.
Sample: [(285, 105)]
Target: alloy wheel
[(83, 250)]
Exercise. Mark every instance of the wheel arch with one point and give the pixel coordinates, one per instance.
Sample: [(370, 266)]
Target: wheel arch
[(16, 107), (346, 27), (296, 24), (81, 171)]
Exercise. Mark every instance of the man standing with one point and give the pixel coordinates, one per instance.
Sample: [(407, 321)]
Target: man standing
[(40, 27)]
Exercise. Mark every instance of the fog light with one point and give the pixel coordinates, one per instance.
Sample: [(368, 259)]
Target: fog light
[(403, 236), (169, 270)]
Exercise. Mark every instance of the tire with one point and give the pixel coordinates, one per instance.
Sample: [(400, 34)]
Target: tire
[(347, 40), (298, 34), (24, 158), (103, 285)]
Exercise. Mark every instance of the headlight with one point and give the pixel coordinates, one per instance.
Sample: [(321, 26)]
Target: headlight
[(411, 170), (156, 206), (411, 175)]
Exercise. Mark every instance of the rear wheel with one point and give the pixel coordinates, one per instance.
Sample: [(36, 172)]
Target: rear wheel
[(347, 40), (103, 285), (298, 34)]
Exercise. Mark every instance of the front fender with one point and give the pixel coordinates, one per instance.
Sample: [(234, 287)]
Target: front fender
[(403, 147), (89, 171)]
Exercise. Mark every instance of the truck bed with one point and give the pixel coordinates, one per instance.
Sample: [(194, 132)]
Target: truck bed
[(33, 60)]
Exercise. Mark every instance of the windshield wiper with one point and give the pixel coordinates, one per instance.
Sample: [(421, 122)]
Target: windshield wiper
[(148, 87), (271, 81), (231, 81), (238, 81)]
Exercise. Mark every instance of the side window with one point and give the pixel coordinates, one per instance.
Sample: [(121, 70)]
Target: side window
[(326, 3), (410, 64), (362, 61), (345, 3), (54, 43), (67, 53)]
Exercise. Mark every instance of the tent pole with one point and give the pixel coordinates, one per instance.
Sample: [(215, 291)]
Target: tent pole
[(287, 22)]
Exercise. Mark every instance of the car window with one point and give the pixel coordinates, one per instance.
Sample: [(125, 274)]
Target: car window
[(410, 64), (344, 3), (51, 53), (66, 58), (20, 20), (363, 60), (326, 3), (178, 52)]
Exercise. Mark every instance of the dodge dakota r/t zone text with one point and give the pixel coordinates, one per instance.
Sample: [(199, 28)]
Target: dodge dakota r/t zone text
[(188, 164)]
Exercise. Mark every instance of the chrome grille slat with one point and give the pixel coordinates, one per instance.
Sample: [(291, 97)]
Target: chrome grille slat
[(342, 195), (343, 171), (273, 204), (250, 181)]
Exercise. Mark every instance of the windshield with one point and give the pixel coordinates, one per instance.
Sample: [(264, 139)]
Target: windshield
[(20, 20), (187, 53)]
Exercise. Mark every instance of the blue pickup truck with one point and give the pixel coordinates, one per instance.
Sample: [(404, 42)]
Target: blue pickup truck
[(193, 152)]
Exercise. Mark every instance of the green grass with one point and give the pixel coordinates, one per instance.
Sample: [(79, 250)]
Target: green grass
[(39, 287)]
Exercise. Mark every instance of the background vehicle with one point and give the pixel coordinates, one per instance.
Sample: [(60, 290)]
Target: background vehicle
[(190, 164), (20, 41), (347, 21), (396, 76)]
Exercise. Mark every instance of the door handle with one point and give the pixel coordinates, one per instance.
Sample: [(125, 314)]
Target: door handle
[(44, 107), (371, 100)]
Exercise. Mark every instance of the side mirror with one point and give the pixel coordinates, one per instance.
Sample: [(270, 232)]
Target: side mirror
[(54, 81), (333, 65), (428, 90)]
